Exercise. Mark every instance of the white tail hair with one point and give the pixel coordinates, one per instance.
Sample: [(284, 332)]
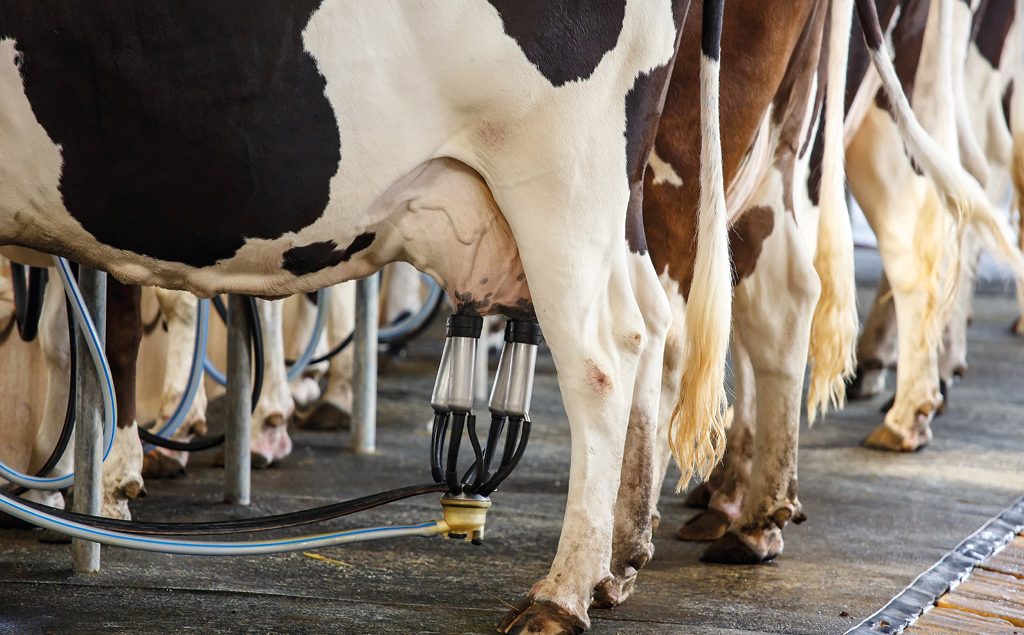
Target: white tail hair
[(960, 193), (833, 342), (697, 426)]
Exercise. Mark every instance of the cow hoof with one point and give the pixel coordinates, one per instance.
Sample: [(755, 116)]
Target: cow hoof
[(734, 548), (866, 384), (542, 617), (270, 446), (704, 527), (613, 591), (116, 507), (260, 461), (305, 392), (616, 588), (157, 464), (132, 489), (698, 497), (1017, 328), (889, 439), (326, 417)]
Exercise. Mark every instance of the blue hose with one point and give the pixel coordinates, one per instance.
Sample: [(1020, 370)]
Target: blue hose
[(195, 376), (95, 345)]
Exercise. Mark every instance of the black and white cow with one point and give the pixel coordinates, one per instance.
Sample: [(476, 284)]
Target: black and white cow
[(271, 148)]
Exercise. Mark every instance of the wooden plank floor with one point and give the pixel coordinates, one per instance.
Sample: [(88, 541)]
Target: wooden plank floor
[(991, 600)]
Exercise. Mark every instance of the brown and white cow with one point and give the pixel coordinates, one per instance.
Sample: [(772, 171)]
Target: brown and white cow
[(904, 212), (786, 255)]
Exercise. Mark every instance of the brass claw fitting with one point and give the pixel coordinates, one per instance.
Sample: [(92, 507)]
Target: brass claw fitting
[(464, 517)]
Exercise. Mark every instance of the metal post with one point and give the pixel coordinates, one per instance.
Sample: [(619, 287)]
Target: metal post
[(239, 404), (364, 371), (88, 498)]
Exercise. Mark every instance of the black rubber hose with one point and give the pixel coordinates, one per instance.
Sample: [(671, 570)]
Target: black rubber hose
[(435, 441), (205, 443), (245, 525), (508, 465), (405, 337), (69, 413), (28, 299), (342, 345), (451, 473), (478, 456), (219, 306)]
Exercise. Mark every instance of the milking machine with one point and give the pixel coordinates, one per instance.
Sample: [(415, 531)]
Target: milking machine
[(465, 501), (452, 400)]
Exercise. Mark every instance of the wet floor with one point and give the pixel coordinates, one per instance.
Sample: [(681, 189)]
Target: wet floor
[(875, 521)]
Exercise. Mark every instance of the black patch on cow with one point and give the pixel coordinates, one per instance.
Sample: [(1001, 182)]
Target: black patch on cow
[(174, 116), (815, 167), (316, 256), (868, 17), (644, 104), (907, 41), (564, 39), (643, 109), (991, 25), (711, 29), (1007, 99), (859, 60)]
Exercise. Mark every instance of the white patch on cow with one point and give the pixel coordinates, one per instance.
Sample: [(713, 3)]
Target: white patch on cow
[(663, 171)]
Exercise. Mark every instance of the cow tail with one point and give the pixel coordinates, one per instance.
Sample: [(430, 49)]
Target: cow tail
[(697, 426), (832, 351), (961, 194)]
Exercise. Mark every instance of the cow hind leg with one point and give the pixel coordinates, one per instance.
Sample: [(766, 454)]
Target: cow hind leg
[(178, 311), (637, 497), (731, 480), (906, 216), (876, 349), (774, 309), (334, 410), (53, 340), (580, 287), (268, 429), (122, 471)]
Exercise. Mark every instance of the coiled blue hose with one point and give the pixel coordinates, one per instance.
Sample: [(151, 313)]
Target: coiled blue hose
[(95, 345)]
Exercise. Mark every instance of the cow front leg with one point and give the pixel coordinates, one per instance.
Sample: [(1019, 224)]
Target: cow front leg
[(122, 471), (334, 410), (54, 342), (268, 428), (876, 348), (953, 354), (772, 315), (637, 497), (178, 311), (909, 222), (593, 326)]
